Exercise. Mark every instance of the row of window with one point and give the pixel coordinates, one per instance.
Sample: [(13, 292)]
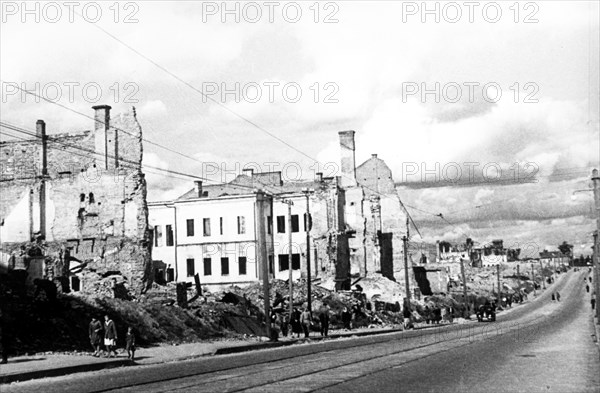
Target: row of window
[(241, 228), (207, 265), (206, 228), (281, 224), (284, 264)]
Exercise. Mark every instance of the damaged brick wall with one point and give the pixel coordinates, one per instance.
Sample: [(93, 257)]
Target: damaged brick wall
[(99, 215)]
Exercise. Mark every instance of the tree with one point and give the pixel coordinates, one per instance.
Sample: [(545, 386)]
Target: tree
[(566, 248)]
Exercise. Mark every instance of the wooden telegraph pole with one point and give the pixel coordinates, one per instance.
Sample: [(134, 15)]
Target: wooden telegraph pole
[(543, 278), (307, 192), (262, 256), (499, 287), (406, 277), (291, 279), (596, 262)]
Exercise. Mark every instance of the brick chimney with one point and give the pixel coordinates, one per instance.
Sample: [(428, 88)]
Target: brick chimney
[(198, 184), (319, 177), (101, 127), (248, 172), (347, 158)]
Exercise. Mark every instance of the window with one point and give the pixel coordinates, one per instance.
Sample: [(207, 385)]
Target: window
[(221, 225), (241, 225), (190, 227), (295, 261), (191, 269), (157, 236), (169, 230), (242, 265), (280, 224), (206, 224), (295, 223), (224, 266), (269, 225), (284, 262), (207, 266)]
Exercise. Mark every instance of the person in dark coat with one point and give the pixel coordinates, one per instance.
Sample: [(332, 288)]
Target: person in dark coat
[(295, 322), (324, 320), (553, 296), (94, 332), (346, 318), (587, 288), (110, 336), (130, 343), (284, 324), (557, 296)]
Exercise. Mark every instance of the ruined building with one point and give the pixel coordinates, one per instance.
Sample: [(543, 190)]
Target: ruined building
[(356, 227), (375, 218), (73, 206)]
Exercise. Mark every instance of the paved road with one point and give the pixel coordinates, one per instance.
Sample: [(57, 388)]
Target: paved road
[(542, 346)]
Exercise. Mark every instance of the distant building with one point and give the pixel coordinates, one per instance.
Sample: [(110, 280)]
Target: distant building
[(554, 258)]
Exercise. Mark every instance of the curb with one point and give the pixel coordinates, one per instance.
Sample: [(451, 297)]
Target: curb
[(277, 344), (59, 371)]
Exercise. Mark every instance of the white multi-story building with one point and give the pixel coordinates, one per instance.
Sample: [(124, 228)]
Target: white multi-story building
[(212, 230)]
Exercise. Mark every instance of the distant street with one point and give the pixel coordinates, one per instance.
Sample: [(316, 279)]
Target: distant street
[(542, 346)]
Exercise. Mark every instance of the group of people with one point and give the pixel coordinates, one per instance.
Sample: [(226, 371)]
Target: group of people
[(97, 330), (587, 289), (301, 322), (556, 296)]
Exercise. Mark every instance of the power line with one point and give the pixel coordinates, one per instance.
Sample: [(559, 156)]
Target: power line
[(252, 123)]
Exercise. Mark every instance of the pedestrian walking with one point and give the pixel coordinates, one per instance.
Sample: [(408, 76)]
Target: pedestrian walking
[(557, 296), (593, 301), (130, 343), (284, 325), (110, 336), (587, 288), (590, 278), (95, 334), (324, 321), (553, 296), (306, 321), (346, 318), (295, 322)]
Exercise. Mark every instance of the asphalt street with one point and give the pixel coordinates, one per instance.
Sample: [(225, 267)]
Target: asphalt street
[(541, 346)]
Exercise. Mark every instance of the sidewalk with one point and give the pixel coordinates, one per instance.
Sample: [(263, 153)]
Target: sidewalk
[(52, 365)]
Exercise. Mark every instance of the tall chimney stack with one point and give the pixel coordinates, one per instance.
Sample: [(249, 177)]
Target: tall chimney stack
[(319, 177), (347, 158), (101, 127), (198, 188), (40, 131)]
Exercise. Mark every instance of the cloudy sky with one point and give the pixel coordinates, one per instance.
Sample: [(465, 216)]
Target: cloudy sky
[(488, 115)]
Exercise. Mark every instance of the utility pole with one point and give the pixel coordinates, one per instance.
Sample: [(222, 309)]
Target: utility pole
[(406, 280), (533, 279), (596, 181), (291, 296), (519, 276), (262, 256), (542, 273), (499, 288), (307, 192), (464, 279)]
